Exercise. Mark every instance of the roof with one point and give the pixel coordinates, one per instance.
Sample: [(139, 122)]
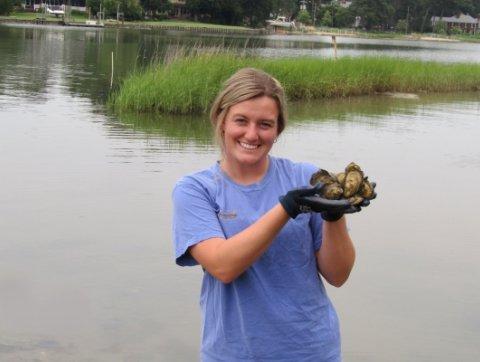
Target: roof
[(461, 19)]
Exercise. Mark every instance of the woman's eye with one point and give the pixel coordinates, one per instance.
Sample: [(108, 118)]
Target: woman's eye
[(265, 125), (240, 121)]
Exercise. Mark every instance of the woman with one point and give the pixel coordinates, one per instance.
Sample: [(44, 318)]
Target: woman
[(261, 236)]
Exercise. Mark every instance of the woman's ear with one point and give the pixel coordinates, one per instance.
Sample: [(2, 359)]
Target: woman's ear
[(222, 126)]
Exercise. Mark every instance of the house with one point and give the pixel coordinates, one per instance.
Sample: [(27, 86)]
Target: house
[(35, 5), (179, 8), (342, 3), (466, 23), (280, 24)]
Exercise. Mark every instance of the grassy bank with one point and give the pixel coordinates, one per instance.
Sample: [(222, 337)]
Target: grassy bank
[(79, 17), (29, 16), (189, 85), (189, 24)]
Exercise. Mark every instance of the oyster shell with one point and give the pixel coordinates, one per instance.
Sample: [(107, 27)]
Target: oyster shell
[(353, 179), (355, 200), (351, 184), (366, 189), (341, 178), (332, 191), (322, 176)]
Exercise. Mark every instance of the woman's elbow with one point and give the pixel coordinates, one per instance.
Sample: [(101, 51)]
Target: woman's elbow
[(225, 276), (337, 283), (338, 280)]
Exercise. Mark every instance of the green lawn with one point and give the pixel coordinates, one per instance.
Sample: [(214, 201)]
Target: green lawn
[(77, 16), (186, 24), (81, 17)]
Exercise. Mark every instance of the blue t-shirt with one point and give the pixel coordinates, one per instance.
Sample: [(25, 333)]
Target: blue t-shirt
[(278, 309)]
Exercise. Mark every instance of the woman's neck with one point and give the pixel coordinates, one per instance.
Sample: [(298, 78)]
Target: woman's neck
[(245, 174)]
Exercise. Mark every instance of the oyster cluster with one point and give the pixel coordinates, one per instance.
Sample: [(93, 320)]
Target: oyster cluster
[(352, 184)]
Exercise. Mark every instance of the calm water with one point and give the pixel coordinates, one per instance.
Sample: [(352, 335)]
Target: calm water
[(86, 265)]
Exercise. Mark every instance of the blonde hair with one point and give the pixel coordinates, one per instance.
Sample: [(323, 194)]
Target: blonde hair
[(245, 84)]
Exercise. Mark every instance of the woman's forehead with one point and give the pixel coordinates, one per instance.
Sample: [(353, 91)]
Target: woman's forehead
[(260, 107)]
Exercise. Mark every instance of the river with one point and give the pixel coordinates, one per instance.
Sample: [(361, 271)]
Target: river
[(86, 259)]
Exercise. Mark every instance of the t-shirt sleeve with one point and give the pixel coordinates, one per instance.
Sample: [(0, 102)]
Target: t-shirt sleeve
[(194, 219)]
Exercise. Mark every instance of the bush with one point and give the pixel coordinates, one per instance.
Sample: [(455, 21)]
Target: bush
[(6, 7), (456, 31), (304, 17), (440, 27), (327, 19), (344, 18), (401, 26)]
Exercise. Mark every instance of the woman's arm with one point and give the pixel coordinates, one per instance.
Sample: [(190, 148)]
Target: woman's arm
[(336, 256), (226, 259)]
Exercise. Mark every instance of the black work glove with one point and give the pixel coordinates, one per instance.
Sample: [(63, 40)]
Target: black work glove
[(334, 213), (307, 200)]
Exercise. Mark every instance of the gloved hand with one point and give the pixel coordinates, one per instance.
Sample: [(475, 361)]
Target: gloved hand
[(334, 215), (307, 200)]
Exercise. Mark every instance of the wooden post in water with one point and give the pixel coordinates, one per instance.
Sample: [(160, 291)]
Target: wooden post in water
[(334, 42), (111, 76)]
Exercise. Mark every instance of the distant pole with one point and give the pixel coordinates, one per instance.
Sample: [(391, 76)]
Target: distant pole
[(334, 42), (111, 77)]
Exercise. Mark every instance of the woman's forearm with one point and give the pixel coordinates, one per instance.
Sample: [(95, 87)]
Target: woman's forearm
[(336, 256), (226, 259)]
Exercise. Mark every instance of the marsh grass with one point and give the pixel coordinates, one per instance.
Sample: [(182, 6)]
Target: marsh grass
[(188, 81)]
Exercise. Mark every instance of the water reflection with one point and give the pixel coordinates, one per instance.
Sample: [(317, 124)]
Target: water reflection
[(85, 210), (372, 107), (179, 130)]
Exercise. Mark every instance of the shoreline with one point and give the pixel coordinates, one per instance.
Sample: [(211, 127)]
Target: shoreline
[(139, 25), (207, 28), (399, 37)]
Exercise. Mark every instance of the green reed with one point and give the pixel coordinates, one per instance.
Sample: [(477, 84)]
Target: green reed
[(188, 83)]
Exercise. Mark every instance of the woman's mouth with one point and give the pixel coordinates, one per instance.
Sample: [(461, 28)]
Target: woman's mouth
[(248, 146)]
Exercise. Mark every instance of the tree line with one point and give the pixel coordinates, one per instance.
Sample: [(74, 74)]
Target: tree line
[(413, 15), (380, 14)]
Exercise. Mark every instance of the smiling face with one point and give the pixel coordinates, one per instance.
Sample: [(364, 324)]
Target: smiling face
[(249, 131)]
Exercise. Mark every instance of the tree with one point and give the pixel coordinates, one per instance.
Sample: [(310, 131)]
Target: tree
[(418, 13), (6, 7), (152, 7), (340, 17), (284, 8), (256, 11), (344, 18), (93, 5), (216, 11), (304, 17), (374, 13), (327, 19), (131, 8)]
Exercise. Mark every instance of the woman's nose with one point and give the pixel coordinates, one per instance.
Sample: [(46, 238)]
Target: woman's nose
[(251, 133)]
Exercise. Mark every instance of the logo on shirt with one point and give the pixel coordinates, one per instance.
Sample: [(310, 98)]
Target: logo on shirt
[(227, 215)]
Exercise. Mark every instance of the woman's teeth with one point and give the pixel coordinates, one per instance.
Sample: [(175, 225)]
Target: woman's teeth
[(248, 146)]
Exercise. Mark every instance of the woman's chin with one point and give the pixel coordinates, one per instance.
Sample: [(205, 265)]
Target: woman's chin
[(251, 159)]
